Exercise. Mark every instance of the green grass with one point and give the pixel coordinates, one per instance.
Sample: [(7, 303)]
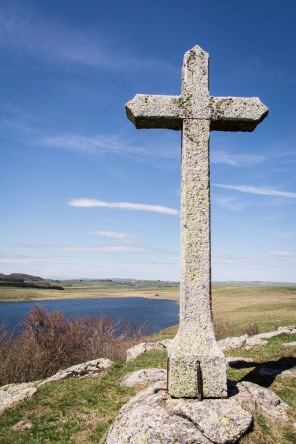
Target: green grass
[(75, 410), (82, 410)]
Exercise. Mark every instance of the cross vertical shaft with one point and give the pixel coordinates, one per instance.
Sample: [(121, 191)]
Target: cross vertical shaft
[(195, 341), (195, 112)]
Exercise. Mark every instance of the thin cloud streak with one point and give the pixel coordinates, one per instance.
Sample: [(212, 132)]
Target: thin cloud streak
[(114, 235), (237, 160), (25, 31), (282, 253), (104, 143), (257, 190), (89, 203)]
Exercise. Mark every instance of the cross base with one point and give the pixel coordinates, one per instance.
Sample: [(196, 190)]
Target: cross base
[(187, 352)]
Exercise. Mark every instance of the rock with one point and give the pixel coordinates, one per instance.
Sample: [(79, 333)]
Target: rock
[(156, 417), (89, 368), (288, 329), (133, 352), (253, 341), (289, 344), (220, 420), (13, 394), (241, 341), (251, 395), (234, 342), (144, 376), (22, 425)]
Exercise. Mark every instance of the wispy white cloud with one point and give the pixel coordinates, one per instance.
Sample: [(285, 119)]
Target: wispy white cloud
[(103, 248), (257, 190), (88, 203), (104, 143), (114, 235), (91, 144), (230, 203), (80, 248), (222, 157), (282, 253), (25, 31)]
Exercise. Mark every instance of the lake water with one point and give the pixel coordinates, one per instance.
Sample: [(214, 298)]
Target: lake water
[(158, 314)]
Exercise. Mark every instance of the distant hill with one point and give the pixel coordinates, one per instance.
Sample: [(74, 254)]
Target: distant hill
[(26, 281), (19, 277)]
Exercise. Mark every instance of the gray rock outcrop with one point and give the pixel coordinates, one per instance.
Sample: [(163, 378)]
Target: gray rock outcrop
[(244, 341), (152, 417), (144, 376), (144, 347), (13, 394)]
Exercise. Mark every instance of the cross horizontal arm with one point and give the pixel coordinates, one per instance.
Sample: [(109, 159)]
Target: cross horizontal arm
[(236, 113), (152, 111)]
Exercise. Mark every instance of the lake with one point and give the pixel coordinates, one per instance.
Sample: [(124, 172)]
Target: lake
[(158, 314)]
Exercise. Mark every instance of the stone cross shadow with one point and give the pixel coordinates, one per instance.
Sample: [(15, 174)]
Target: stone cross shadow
[(197, 366)]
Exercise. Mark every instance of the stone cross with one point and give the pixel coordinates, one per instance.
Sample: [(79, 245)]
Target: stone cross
[(196, 364)]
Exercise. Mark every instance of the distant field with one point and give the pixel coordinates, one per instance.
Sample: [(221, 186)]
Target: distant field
[(238, 305), (94, 289)]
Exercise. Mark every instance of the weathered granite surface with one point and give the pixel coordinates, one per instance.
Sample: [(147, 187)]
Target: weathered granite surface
[(153, 416), (13, 394), (157, 418), (144, 376), (241, 341), (196, 112), (251, 396), (137, 350)]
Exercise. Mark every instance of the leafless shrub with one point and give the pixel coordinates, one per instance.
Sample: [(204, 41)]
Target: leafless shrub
[(222, 329), (48, 342), (252, 329)]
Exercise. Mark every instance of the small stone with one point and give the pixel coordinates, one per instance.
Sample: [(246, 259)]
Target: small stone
[(144, 347), (253, 341), (22, 425), (289, 344), (144, 376)]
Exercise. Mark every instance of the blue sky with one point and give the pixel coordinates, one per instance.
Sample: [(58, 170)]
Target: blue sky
[(85, 194)]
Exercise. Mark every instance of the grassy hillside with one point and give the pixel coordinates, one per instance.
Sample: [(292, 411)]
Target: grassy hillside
[(82, 410)]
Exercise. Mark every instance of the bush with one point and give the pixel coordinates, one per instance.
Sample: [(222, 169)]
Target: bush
[(252, 329), (48, 342)]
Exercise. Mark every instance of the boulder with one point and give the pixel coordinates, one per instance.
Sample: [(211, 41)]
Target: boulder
[(251, 396), (133, 352), (241, 341), (144, 376), (90, 368), (153, 416), (13, 394)]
